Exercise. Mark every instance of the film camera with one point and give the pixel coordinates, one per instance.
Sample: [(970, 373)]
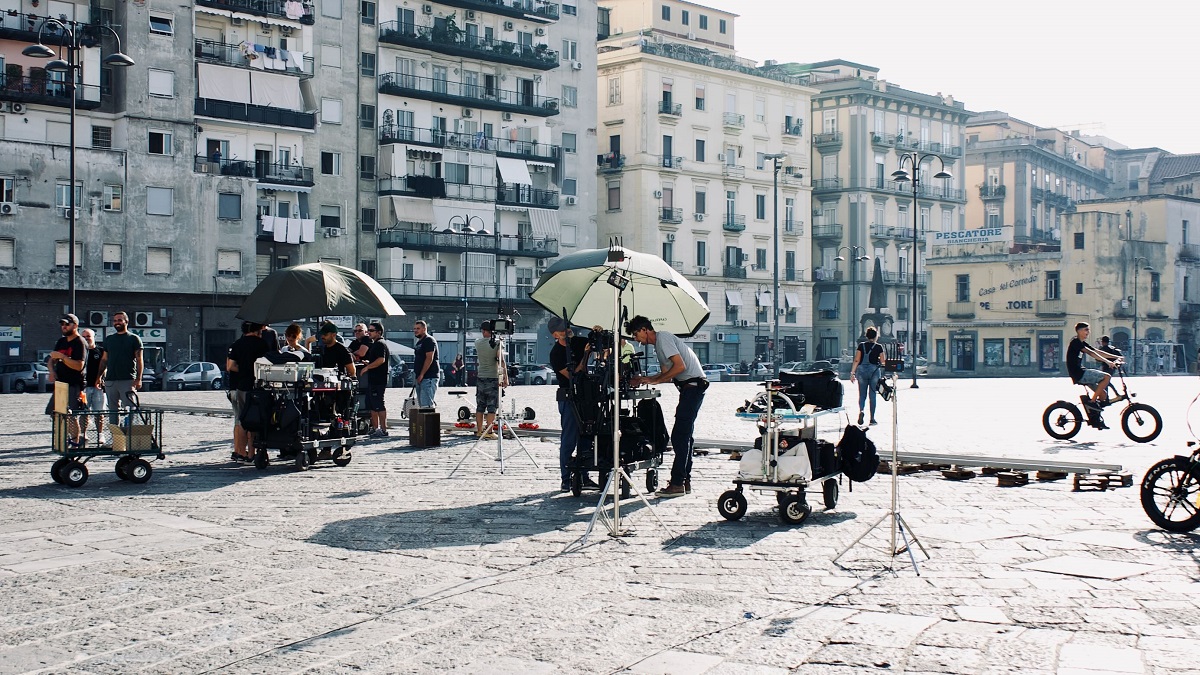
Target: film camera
[(503, 326)]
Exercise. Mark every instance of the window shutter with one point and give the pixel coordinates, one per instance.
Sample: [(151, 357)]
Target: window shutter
[(229, 261), (158, 261)]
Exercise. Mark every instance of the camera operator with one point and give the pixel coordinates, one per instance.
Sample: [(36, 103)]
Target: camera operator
[(680, 366), (492, 374), (568, 358)]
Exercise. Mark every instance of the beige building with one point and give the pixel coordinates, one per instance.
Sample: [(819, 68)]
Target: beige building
[(1127, 266), (685, 131)]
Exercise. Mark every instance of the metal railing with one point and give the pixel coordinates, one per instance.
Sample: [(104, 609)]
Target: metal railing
[(261, 114), (524, 195), (24, 27), (610, 163), (830, 138), (232, 55), (733, 223), (733, 272), (734, 120), (960, 310), (394, 133), (827, 230), (668, 108), (435, 89), (992, 191), (518, 9), (264, 8), (672, 163), (891, 232), (282, 174), (429, 186), (793, 129), (458, 43), (827, 184), (792, 227), (452, 242), (669, 215), (46, 91)]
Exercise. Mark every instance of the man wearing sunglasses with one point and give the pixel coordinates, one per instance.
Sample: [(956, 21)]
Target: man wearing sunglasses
[(66, 364), (375, 374)]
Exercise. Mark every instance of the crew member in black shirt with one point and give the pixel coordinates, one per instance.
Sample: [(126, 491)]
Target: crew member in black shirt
[(376, 370), (567, 361), (333, 353), (240, 365), (66, 364)]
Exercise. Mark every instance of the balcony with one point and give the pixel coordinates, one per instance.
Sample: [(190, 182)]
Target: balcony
[(883, 140), (458, 43), (394, 133), (1052, 307), (829, 141), (1052, 198), (524, 195), (734, 272), (430, 187), (542, 12), (827, 184), (793, 274), (960, 310), (668, 108), (827, 231), (231, 55), (277, 8), (267, 174), (45, 91), (1189, 311), (992, 191), (733, 172), (792, 227), (23, 27), (734, 121), (669, 215), (890, 232), (445, 91), (456, 242), (795, 128), (610, 163), (938, 148), (672, 163), (824, 274), (891, 186), (1189, 252), (258, 114), (733, 223)]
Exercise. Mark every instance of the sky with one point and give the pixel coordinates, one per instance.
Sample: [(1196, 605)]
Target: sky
[(1126, 70)]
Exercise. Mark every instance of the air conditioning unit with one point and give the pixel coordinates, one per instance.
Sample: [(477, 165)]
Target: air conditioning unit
[(691, 36), (744, 323), (7, 208), (720, 336), (467, 112), (699, 217), (508, 25), (97, 319), (16, 107), (701, 271), (333, 232), (577, 65), (507, 117), (572, 200), (143, 319), (235, 21), (670, 237), (658, 194), (540, 32), (541, 263), (453, 324), (427, 9), (266, 29), (66, 213), (426, 255), (745, 258), (470, 14)]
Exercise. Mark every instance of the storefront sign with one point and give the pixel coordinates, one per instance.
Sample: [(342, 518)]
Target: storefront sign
[(345, 322), (10, 333), (150, 335), (1008, 285), (981, 236), (701, 336)]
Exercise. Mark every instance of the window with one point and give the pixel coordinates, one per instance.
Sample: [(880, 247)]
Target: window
[(760, 160), (760, 206), (570, 186), (62, 258), (229, 206), (570, 9), (8, 189), (62, 195), (163, 24), (101, 136), (721, 26), (162, 83), (160, 201), (1184, 233), (1079, 241), (668, 252), (524, 280), (947, 220), (1155, 286), (614, 196), (570, 97), (666, 12), (367, 219), (703, 22), (700, 202), (699, 149), (760, 258), (367, 267), (684, 18), (993, 215), (366, 64), (568, 142), (760, 109), (158, 260), (331, 163), (699, 97), (331, 110), (614, 91), (160, 143), (1079, 287), (229, 263), (331, 216), (331, 8), (111, 199), (962, 287), (366, 116), (366, 167), (1053, 290), (570, 50), (366, 12), (702, 253)]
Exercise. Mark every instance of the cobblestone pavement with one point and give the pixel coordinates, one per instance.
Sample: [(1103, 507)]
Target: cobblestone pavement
[(388, 565)]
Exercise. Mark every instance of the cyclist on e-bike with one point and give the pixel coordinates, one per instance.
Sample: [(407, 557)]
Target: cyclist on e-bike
[(1096, 380)]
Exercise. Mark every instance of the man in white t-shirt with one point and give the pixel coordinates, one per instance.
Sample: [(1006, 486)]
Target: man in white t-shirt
[(679, 366)]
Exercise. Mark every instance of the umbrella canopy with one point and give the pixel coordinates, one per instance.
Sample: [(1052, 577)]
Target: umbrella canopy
[(317, 289), (578, 285)]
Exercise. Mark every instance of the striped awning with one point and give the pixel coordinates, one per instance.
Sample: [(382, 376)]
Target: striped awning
[(544, 223)]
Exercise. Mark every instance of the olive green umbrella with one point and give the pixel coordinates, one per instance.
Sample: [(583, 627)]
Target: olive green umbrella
[(317, 289)]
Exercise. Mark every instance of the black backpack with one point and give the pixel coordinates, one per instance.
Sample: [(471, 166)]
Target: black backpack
[(857, 455)]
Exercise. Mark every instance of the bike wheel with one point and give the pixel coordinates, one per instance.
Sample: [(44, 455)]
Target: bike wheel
[(1169, 494), (1141, 423), (1062, 420)]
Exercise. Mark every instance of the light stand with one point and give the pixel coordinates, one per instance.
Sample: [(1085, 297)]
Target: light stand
[(776, 164), (500, 424), (898, 525), (1137, 261)]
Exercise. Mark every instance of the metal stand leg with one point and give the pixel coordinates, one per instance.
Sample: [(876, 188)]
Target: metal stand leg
[(497, 426), (601, 514)]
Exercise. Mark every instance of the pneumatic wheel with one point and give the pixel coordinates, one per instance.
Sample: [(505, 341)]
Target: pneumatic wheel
[(1141, 423), (1062, 420), (261, 460), (651, 480), (74, 474), (341, 457), (1169, 494), (732, 505), (123, 466), (830, 493), (301, 461), (794, 510), (139, 471), (56, 469)]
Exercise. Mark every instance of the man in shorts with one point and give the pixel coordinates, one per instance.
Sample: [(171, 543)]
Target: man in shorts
[(67, 363), (491, 376), (239, 363), (1096, 380), (93, 380), (375, 374)]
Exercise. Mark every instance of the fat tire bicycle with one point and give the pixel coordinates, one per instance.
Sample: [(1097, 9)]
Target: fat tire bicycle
[(1140, 421)]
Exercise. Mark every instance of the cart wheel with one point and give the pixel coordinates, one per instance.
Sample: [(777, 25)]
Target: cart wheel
[(651, 480), (464, 413), (626, 488), (73, 474), (122, 467), (261, 461), (341, 457), (139, 471), (576, 484), (56, 469), (301, 461), (312, 456), (731, 505), (781, 497), (830, 492), (795, 510)]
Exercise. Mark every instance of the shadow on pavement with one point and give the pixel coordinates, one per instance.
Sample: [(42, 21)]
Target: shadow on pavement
[(752, 528), (173, 479)]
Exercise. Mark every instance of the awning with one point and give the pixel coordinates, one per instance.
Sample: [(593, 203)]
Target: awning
[(444, 212), (733, 298), (544, 223), (538, 162), (412, 210), (792, 300), (276, 91), (284, 188), (764, 299), (514, 170), (249, 17), (223, 84), (512, 207), (829, 301)]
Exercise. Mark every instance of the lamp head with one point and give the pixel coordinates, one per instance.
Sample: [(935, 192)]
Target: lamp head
[(58, 66), (467, 228), (39, 51), (942, 174), (119, 59), (900, 176), (839, 258), (864, 257)]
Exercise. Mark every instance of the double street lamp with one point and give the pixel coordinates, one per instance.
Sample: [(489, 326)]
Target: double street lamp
[(73, 37), (777, 160), (914, 160), (857, 254), (1138, 261), (464, 223)]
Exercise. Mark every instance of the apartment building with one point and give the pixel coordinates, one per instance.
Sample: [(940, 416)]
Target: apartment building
[(864, 220), (687, 131)]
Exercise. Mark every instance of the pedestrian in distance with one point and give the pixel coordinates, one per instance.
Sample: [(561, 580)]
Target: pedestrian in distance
[(425, 365), (376, 376), (866, 370), (123, 366)]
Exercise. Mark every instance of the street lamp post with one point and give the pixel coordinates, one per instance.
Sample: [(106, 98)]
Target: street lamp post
[(857, 254), (777, 164), (1137, 261), (914, 161), (465, 228), (71, 39)]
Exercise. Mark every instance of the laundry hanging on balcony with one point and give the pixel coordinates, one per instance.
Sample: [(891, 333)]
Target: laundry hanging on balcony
[(237, 85), (267, 223)]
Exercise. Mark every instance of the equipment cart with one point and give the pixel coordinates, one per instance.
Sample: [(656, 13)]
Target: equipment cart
[(788, 475), (643, 439), (136, 436)]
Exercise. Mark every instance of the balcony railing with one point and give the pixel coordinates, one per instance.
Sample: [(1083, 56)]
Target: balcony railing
[(544, 12), (266, 173), (733, 223), (24, 27), (992, 191), (445, 91), (938, 148), (669, 215), (734, 272), (232, 55), (394, 133), (1052, 307), (793, 129), (828, 231), (792, 227), (827, 184), (960, 310), (610, 163), (261, 114), (890, 186), (883, 140), (734, 120), (675, 163), (277, 8), (428, 186), (827, 274), (457, 242), (539, 57), (419, 289), (891, 232), (830, 138), (524, 195), (1190, 252), (668, 108), (44, 91), (731, 171)]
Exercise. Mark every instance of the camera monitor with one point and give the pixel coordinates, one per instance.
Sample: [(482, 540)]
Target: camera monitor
[(502, 326)]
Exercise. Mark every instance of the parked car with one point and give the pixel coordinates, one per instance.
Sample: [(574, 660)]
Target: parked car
[(823, 365), (18, 378), (534, 374), (792, 366), (194, 375), (715, 372), (759, 371)]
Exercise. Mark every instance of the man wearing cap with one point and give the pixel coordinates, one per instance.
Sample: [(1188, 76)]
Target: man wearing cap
[(491, 376), (375, 374), (122, 365), (333, 353), (66, 364), (240, 365), (567, 362)]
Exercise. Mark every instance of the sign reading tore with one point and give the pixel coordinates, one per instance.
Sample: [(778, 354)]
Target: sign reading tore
[(981, 236)]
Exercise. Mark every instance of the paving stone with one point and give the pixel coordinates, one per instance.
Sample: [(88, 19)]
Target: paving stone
[(1098, 658)]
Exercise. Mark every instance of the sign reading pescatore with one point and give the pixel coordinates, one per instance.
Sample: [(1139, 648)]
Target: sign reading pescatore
[(980, 236)]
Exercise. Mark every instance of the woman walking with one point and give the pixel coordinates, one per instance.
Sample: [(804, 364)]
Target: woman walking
[(867, 369)]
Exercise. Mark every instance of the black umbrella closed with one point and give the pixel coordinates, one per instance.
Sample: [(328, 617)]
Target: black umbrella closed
[(317, 289)]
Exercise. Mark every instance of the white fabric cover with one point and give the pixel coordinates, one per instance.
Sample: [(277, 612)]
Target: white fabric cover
[(277, 91), (223, 84), (308, 230), (514, 170)]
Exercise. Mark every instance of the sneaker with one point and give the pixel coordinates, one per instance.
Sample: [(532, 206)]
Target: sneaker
[(873, 422), (375, 433), (383, 433), (687, 485), (860, 419), (489, 436), (672, 491), (565, 487)]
